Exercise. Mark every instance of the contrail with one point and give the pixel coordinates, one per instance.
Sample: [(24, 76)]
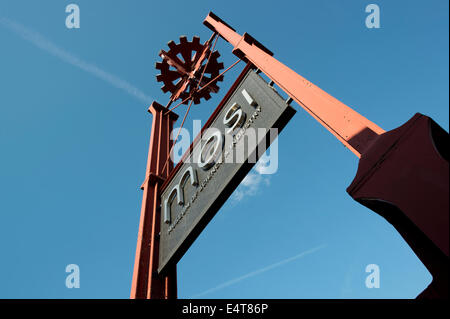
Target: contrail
[(258, 272), (43, 43)]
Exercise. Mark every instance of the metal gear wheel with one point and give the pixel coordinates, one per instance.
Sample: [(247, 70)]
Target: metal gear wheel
[(182, 67)]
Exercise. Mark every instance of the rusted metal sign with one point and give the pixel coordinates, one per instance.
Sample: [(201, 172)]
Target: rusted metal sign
[(228, 148)]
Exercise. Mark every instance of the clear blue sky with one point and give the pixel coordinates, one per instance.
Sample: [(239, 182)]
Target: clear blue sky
[(73, 146)]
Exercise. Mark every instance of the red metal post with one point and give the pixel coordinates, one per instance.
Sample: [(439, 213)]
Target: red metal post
[(147, 284)]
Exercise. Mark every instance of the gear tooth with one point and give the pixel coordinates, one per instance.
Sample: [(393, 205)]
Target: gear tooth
[(214, 68), (183, 39), (207, 96), (171, 44), (183, 96), (159, 78), (195, 40), (214, 87), (158, 65), (164, 89), (220, 78), (220, 66), (215, 54), (196, 100)]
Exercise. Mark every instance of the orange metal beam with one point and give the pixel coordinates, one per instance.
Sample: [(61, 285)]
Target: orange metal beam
[(351, 128)]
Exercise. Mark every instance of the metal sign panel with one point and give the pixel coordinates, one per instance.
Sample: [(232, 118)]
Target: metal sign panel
[(241, 131)]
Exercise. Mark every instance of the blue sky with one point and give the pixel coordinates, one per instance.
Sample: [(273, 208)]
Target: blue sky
[(74, 138)]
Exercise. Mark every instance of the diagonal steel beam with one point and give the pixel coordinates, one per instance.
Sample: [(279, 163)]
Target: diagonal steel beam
[(351, 128)]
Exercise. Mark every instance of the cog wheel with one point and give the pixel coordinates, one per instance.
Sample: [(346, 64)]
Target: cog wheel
[(182, 67)]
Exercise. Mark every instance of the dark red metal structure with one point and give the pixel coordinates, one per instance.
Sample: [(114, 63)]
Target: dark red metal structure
[(186, 60), (402, 175)]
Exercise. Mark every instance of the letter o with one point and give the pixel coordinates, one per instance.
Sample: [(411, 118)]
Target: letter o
[(206, 161)]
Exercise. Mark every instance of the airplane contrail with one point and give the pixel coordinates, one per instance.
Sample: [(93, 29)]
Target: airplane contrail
[(258, 272), (43, 43)]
